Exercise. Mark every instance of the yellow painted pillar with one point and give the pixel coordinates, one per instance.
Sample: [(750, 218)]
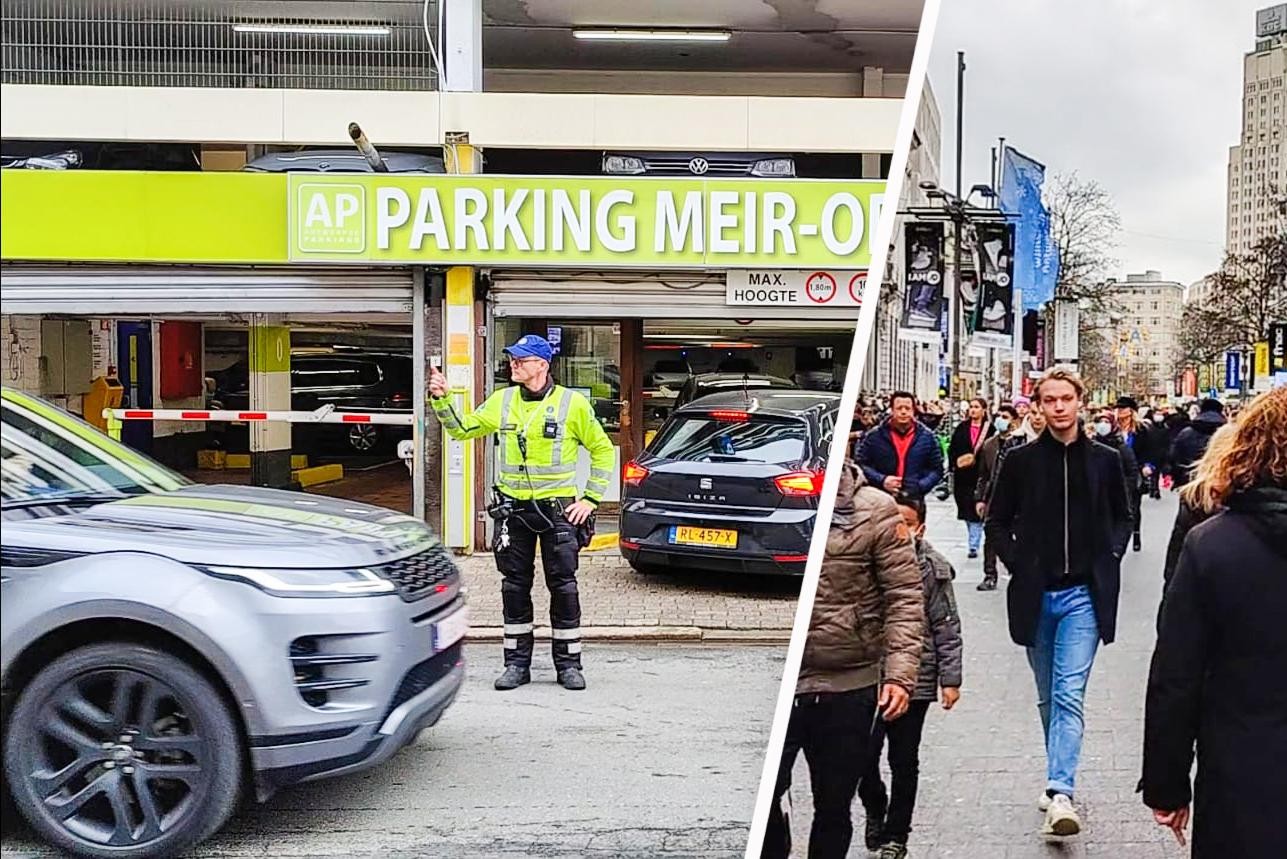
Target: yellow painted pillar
[(458, 329)]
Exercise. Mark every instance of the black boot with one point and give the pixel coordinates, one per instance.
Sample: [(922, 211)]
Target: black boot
[(988, 584), (875, 833), (513, 677), (572, 679)]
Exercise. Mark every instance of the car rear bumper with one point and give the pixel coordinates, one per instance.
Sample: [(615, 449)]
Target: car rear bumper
[(776, 544)]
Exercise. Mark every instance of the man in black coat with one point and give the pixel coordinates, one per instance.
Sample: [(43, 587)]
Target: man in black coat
[(1192, 441), (1061, 521), (902, 455)]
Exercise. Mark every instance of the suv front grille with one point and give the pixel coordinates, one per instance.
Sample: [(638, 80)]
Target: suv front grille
[(423, 675), (680, 167), (420, 575)]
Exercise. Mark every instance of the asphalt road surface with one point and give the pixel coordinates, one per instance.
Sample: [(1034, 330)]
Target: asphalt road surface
[(661, 756), (983, 764)]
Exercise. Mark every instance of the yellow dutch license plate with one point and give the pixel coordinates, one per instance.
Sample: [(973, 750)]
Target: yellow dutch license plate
[(718, 538)]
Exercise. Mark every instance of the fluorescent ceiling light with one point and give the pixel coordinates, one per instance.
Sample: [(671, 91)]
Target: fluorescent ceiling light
[(654, 35), (313, 29)]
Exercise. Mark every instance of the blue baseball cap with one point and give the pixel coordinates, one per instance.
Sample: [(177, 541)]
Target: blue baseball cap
[(531, 346)]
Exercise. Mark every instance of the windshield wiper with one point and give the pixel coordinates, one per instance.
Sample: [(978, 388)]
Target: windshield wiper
[(67, 499), (725, 457)]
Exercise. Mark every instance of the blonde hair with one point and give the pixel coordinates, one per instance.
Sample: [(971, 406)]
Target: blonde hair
[(1252, 451), (1060, 373)]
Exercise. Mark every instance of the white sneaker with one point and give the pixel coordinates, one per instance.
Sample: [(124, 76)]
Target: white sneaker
[(1061, 817), (1043, 804)]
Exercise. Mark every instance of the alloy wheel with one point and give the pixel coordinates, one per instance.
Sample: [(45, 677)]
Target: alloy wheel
[(363, 437), (116, 761)]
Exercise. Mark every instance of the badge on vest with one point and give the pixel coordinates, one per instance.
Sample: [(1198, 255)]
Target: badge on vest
[(551, 428)]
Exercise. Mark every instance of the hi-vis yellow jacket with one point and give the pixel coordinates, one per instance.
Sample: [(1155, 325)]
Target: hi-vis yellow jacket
[(549, 468)]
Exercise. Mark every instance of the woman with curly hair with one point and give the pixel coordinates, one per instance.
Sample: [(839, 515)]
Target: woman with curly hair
[(1216, 681)]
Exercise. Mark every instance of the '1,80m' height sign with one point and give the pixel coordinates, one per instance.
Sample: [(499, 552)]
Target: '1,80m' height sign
[(571, 221)]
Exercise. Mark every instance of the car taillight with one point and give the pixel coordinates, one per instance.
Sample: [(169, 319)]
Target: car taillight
[(633, 474), (400, 401), (800, 484), (731, 416)]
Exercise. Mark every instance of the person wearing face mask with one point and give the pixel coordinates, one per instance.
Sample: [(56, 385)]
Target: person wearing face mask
[(1006, 424), (1104, 430), (889, 810), (962, 455)]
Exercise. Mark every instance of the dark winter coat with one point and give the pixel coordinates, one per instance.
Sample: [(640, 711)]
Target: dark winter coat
[(990, 456), (924, 466), (1185, 521), (1130, 468), (1027, 536), (1191, 444), (941, 658), (1216, 682), (965, 479)]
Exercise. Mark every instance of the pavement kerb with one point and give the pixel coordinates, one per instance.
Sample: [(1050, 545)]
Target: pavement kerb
[(685, 634)]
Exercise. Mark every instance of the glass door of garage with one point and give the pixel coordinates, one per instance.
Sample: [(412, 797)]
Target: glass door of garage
[(587, 358)]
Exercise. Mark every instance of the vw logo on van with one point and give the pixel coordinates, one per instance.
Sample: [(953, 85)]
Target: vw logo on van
[(699, 166)]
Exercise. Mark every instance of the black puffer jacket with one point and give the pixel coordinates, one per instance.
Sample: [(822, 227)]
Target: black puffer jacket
[(1191, 443), (1215, 683), (941, 657)]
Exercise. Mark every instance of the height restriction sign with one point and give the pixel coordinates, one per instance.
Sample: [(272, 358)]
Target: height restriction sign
[(820, 287)]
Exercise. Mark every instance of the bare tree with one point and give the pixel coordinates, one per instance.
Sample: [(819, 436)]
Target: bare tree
[(1084, 225), (1248, 293), (1097, 361)]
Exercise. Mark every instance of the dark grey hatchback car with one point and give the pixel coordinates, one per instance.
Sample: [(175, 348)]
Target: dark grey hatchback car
[(730, 484)]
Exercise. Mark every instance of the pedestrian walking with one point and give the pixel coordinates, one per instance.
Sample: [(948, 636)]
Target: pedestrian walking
[(1191, 514), (866, 633), (864, 420), (542, 426), (1215, 679), (1191, 442), (1007, 435), (1138, 437), (890, 810), (1159, 450), (1061, 521), (902, 455), (962, 454), (1104, 430)]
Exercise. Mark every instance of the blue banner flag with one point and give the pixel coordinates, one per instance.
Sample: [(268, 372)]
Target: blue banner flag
[(1036, 258)]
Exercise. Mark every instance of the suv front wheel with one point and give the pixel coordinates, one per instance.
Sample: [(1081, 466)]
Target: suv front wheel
[(118, 749)]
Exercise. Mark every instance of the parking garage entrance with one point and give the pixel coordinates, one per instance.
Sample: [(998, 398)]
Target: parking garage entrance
[(638, 344)]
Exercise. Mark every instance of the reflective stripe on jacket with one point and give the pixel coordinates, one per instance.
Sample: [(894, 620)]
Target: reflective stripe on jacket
[(549, 468)]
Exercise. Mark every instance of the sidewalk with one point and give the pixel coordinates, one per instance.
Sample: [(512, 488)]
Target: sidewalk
[(983, 765), (619, 604)]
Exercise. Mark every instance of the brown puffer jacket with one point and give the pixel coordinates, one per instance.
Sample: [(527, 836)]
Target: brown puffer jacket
[(869, 604)]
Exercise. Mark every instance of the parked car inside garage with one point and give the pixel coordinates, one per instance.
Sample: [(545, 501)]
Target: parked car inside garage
[(705, 384), (730, 483), (168, 648)]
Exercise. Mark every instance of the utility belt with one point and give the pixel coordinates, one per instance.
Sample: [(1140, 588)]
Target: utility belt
[(539, 515)]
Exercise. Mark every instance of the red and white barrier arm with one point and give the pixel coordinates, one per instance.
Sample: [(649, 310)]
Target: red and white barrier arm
[(324, 415)]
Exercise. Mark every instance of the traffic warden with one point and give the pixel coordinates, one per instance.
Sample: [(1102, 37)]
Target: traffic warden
[(542, 427)]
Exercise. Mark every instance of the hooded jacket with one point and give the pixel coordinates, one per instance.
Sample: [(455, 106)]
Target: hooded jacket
[(869, 606), (941, 656), (1191, 443), (1215, 680)]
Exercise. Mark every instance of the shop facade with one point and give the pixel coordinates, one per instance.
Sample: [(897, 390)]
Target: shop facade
[(631, 279)]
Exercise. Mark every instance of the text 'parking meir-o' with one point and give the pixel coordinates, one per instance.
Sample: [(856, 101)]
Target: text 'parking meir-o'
[(718, 222)]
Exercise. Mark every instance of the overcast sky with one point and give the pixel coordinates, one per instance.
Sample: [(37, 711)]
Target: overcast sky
[(1142, 96)]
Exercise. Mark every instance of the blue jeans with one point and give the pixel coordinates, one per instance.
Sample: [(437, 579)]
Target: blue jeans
[(1067, 638), (976, 535)]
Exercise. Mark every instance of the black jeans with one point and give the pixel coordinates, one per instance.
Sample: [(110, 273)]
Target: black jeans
[(516, 544), (989, 559), (834, 732), (896, 806)]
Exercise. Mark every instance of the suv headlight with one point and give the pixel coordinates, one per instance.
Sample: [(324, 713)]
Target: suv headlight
[(627, 164), (355, 582), (774, 167)]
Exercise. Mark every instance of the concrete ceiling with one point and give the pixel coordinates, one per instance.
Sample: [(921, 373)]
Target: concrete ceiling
[(768, 35)]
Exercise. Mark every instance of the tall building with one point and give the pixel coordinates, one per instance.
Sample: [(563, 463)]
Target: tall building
[(1257, 193), (893, 363), (1144, 330)]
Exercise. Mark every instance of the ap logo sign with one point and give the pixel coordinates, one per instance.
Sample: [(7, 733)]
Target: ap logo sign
[(331, 218)]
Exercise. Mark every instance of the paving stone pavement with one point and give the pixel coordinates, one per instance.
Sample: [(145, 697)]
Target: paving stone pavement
[(983, 764), (614, 595)]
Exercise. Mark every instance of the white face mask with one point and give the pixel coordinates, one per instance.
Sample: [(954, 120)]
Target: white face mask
[(1103, 428), (1001, 423), (1157, 419)]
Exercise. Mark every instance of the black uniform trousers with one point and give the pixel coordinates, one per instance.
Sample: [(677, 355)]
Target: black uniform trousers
[(517, 539), (834, 732)]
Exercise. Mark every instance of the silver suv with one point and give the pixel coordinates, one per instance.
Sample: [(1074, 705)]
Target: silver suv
[(169, 648)]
